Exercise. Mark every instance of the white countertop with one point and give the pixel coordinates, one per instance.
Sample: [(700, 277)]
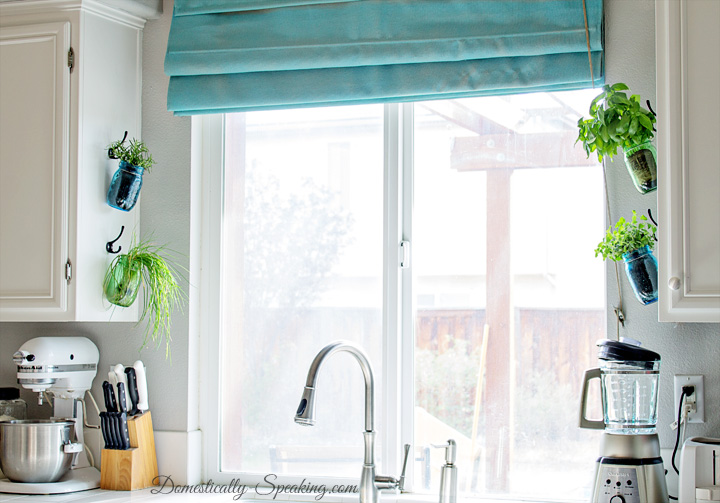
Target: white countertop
[(152, 495)]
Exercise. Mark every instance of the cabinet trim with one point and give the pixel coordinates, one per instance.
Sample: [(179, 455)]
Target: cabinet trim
[(680, 299)]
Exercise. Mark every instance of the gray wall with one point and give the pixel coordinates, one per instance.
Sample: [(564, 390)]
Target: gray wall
[(165, 207), (165, 213), (686, 348)]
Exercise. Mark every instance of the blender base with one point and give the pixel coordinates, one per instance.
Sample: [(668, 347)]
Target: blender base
[(630, 470), (80, 479)]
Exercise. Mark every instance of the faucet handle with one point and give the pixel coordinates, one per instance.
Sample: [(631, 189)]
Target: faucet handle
[(388, 482), (401, 484)]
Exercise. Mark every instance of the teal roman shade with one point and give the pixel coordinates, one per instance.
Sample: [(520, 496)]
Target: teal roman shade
[(242, 55)]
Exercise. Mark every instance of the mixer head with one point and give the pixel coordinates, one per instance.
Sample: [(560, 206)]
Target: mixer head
[(64, 366)]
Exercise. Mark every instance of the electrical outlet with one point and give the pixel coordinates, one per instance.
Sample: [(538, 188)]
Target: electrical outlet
[(699, 396)]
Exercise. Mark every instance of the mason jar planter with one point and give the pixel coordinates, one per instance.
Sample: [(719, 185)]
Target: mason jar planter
[(125, 186), (641, 268), (122, 282), (641, 162)]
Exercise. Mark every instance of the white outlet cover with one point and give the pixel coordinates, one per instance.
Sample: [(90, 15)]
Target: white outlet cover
[(698, 382)]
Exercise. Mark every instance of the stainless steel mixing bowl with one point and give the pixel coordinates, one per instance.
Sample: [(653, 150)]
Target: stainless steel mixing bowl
[(31, 450)]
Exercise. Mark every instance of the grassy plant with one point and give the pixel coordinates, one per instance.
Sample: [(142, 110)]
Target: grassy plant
[(161, 292), (134, 152), (627, 237), (616, 121)]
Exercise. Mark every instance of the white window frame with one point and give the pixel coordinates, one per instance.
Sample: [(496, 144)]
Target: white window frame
[(208, 132)]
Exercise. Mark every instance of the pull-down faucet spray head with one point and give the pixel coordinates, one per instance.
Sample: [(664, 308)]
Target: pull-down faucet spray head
[(305, 414)]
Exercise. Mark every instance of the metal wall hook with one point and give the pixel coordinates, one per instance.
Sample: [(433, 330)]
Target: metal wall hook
[(653, 221), (109, 245), (650, 108), (110, 151), (651, 217), (652, 112)]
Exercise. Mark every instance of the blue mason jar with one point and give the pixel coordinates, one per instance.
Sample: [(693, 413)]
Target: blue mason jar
[(125, 186), (641, 268)]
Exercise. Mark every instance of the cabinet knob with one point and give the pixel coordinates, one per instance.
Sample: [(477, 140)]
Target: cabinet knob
[(674, 283)]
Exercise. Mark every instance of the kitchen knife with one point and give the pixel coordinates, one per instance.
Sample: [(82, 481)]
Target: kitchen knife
[(112, 377), (119, 370), (141, 386), (113, 430), (124, 434), (122, 402), (104, 429), (132, 390), (109, 396)]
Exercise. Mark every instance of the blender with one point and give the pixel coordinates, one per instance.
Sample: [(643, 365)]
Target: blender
[(629, 468)]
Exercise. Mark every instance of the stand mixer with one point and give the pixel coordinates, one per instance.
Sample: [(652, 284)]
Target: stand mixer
[(63, 367)]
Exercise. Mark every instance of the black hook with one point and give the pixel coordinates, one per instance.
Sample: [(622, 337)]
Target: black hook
[(649, 108), (651, 217), (653, 221), (110, 151), (651, 111), (109, 244)]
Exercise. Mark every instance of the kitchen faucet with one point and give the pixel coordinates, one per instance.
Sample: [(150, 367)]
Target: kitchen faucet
[(369, 482)]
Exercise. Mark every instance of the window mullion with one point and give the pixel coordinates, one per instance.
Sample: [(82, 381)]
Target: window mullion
[(407, 333), (392, 235)]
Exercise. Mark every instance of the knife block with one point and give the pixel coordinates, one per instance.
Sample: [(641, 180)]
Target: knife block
[(135, 468)]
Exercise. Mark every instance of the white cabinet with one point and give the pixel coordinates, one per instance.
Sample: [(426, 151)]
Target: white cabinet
[(70, 84), (688, 98)]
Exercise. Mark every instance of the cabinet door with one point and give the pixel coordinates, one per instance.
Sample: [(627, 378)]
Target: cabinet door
[(688, 91), (34, 147)]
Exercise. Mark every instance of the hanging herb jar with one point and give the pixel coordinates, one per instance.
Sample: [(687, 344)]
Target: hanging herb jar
[(641, 268), (618, 121), (632, 243), (122, 281), (144, 267), (125, 185)]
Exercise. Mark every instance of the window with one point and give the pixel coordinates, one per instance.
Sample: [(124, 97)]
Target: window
[(483, 338)]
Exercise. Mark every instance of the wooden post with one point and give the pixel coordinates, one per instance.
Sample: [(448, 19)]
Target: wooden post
[(500, 319)]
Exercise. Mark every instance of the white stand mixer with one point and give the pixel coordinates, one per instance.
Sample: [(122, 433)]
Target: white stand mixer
[(65, 368)]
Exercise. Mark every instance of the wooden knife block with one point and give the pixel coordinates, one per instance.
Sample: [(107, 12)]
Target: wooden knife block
[(135, 468)]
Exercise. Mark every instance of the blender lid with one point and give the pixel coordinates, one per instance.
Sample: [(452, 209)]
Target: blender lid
[(622, 351)]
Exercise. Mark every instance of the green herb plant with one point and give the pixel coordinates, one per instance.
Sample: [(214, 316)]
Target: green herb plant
[(627, 237), (616, 120), (161, 291), (133, 152)]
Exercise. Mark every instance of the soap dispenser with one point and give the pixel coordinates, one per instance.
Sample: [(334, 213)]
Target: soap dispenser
[(448, 473)]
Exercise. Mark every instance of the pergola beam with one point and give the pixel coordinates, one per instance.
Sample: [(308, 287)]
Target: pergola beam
[(518, 151)]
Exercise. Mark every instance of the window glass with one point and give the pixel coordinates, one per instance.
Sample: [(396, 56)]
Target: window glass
[(509, 298), (302, 267)]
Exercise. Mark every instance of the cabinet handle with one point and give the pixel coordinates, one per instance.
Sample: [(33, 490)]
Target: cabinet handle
[(674, 283)]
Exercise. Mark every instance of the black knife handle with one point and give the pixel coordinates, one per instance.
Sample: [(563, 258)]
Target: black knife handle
[(113, 430), (104, 429), (124, 433), (122, 402), (132, 390), (109, 396)]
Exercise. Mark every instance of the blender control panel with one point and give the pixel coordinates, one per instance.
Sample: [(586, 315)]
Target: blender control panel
[(617, 484)]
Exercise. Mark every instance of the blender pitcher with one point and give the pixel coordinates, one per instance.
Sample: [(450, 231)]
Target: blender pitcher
[(629, 376)]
